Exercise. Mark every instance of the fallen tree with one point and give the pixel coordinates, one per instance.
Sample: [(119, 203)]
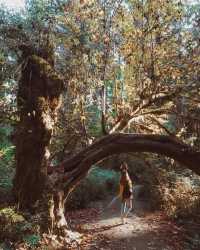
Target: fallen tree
[(68, 174), (77, 167)]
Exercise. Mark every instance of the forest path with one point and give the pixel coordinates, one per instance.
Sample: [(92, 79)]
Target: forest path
[(144, 230)]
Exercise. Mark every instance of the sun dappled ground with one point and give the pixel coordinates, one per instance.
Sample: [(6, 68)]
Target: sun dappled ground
[(144, 229)]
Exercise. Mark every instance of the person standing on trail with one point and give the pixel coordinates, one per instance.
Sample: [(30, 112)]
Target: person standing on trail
[(125, 191)]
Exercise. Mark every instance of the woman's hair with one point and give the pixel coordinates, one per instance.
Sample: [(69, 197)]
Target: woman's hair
[(124, 166)]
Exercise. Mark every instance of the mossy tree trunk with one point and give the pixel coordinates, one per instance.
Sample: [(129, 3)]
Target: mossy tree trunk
[(38, 99)]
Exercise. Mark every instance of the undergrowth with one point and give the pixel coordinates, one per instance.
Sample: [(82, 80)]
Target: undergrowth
[(96, 186)]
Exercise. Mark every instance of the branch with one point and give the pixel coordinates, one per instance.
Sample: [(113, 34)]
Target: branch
[(163, 127), (123, 122), (78, 166)]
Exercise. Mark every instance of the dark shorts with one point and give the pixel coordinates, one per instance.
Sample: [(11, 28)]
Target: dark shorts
[(127, 196)]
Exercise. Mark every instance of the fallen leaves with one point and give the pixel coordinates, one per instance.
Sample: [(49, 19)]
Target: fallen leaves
[(153, 230)]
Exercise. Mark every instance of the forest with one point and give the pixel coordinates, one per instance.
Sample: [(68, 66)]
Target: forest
[(91, 91)]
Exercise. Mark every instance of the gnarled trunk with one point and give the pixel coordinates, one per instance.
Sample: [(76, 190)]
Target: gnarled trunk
[(39, 97), (54, 212), (60, 223), (38, 100)]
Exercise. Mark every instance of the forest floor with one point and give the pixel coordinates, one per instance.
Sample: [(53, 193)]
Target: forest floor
[(144, 230)]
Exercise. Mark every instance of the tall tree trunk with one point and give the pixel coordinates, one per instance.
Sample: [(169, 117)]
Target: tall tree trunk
[(38, 99)]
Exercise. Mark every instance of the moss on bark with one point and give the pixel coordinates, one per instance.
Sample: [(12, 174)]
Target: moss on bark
[(38, 99)]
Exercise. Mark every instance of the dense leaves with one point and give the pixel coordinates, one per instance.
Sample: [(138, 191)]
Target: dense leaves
[(128, 66)]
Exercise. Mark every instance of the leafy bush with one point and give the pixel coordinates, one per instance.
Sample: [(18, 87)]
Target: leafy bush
[(96, 186), (176, 194), (6, 159), (32, 240), (182, 200), (16, 227), (10, 223)]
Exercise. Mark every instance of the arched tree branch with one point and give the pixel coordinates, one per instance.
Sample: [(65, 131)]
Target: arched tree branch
[(78, 166)]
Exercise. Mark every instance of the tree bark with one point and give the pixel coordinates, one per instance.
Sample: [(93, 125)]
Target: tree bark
[(38, 99), (57, 213)]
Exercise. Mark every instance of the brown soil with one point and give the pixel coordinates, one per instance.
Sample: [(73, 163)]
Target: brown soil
[(144, 230)]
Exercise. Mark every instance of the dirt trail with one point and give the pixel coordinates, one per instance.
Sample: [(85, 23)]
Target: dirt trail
[(144, 230)]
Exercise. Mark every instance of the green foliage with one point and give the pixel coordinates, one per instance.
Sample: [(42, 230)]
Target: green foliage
[(172, 189), (9, 216), (3, 246), (133, 51), (6, 158), (98, 184), (97, 48), (181, 200), (32, 240), (102, 176), (18, 227), (93, 121), (10, 222)]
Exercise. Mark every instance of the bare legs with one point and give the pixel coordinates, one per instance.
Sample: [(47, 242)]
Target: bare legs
[(130, 206), (126, 205), (123, 210)]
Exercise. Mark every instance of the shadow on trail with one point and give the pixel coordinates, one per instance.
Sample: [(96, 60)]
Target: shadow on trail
[(144, 229), (101, 228)]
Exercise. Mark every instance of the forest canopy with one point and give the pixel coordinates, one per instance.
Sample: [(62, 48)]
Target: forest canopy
[(126, 64)]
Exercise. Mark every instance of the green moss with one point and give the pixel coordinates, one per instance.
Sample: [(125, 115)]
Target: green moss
[(45, 69)]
